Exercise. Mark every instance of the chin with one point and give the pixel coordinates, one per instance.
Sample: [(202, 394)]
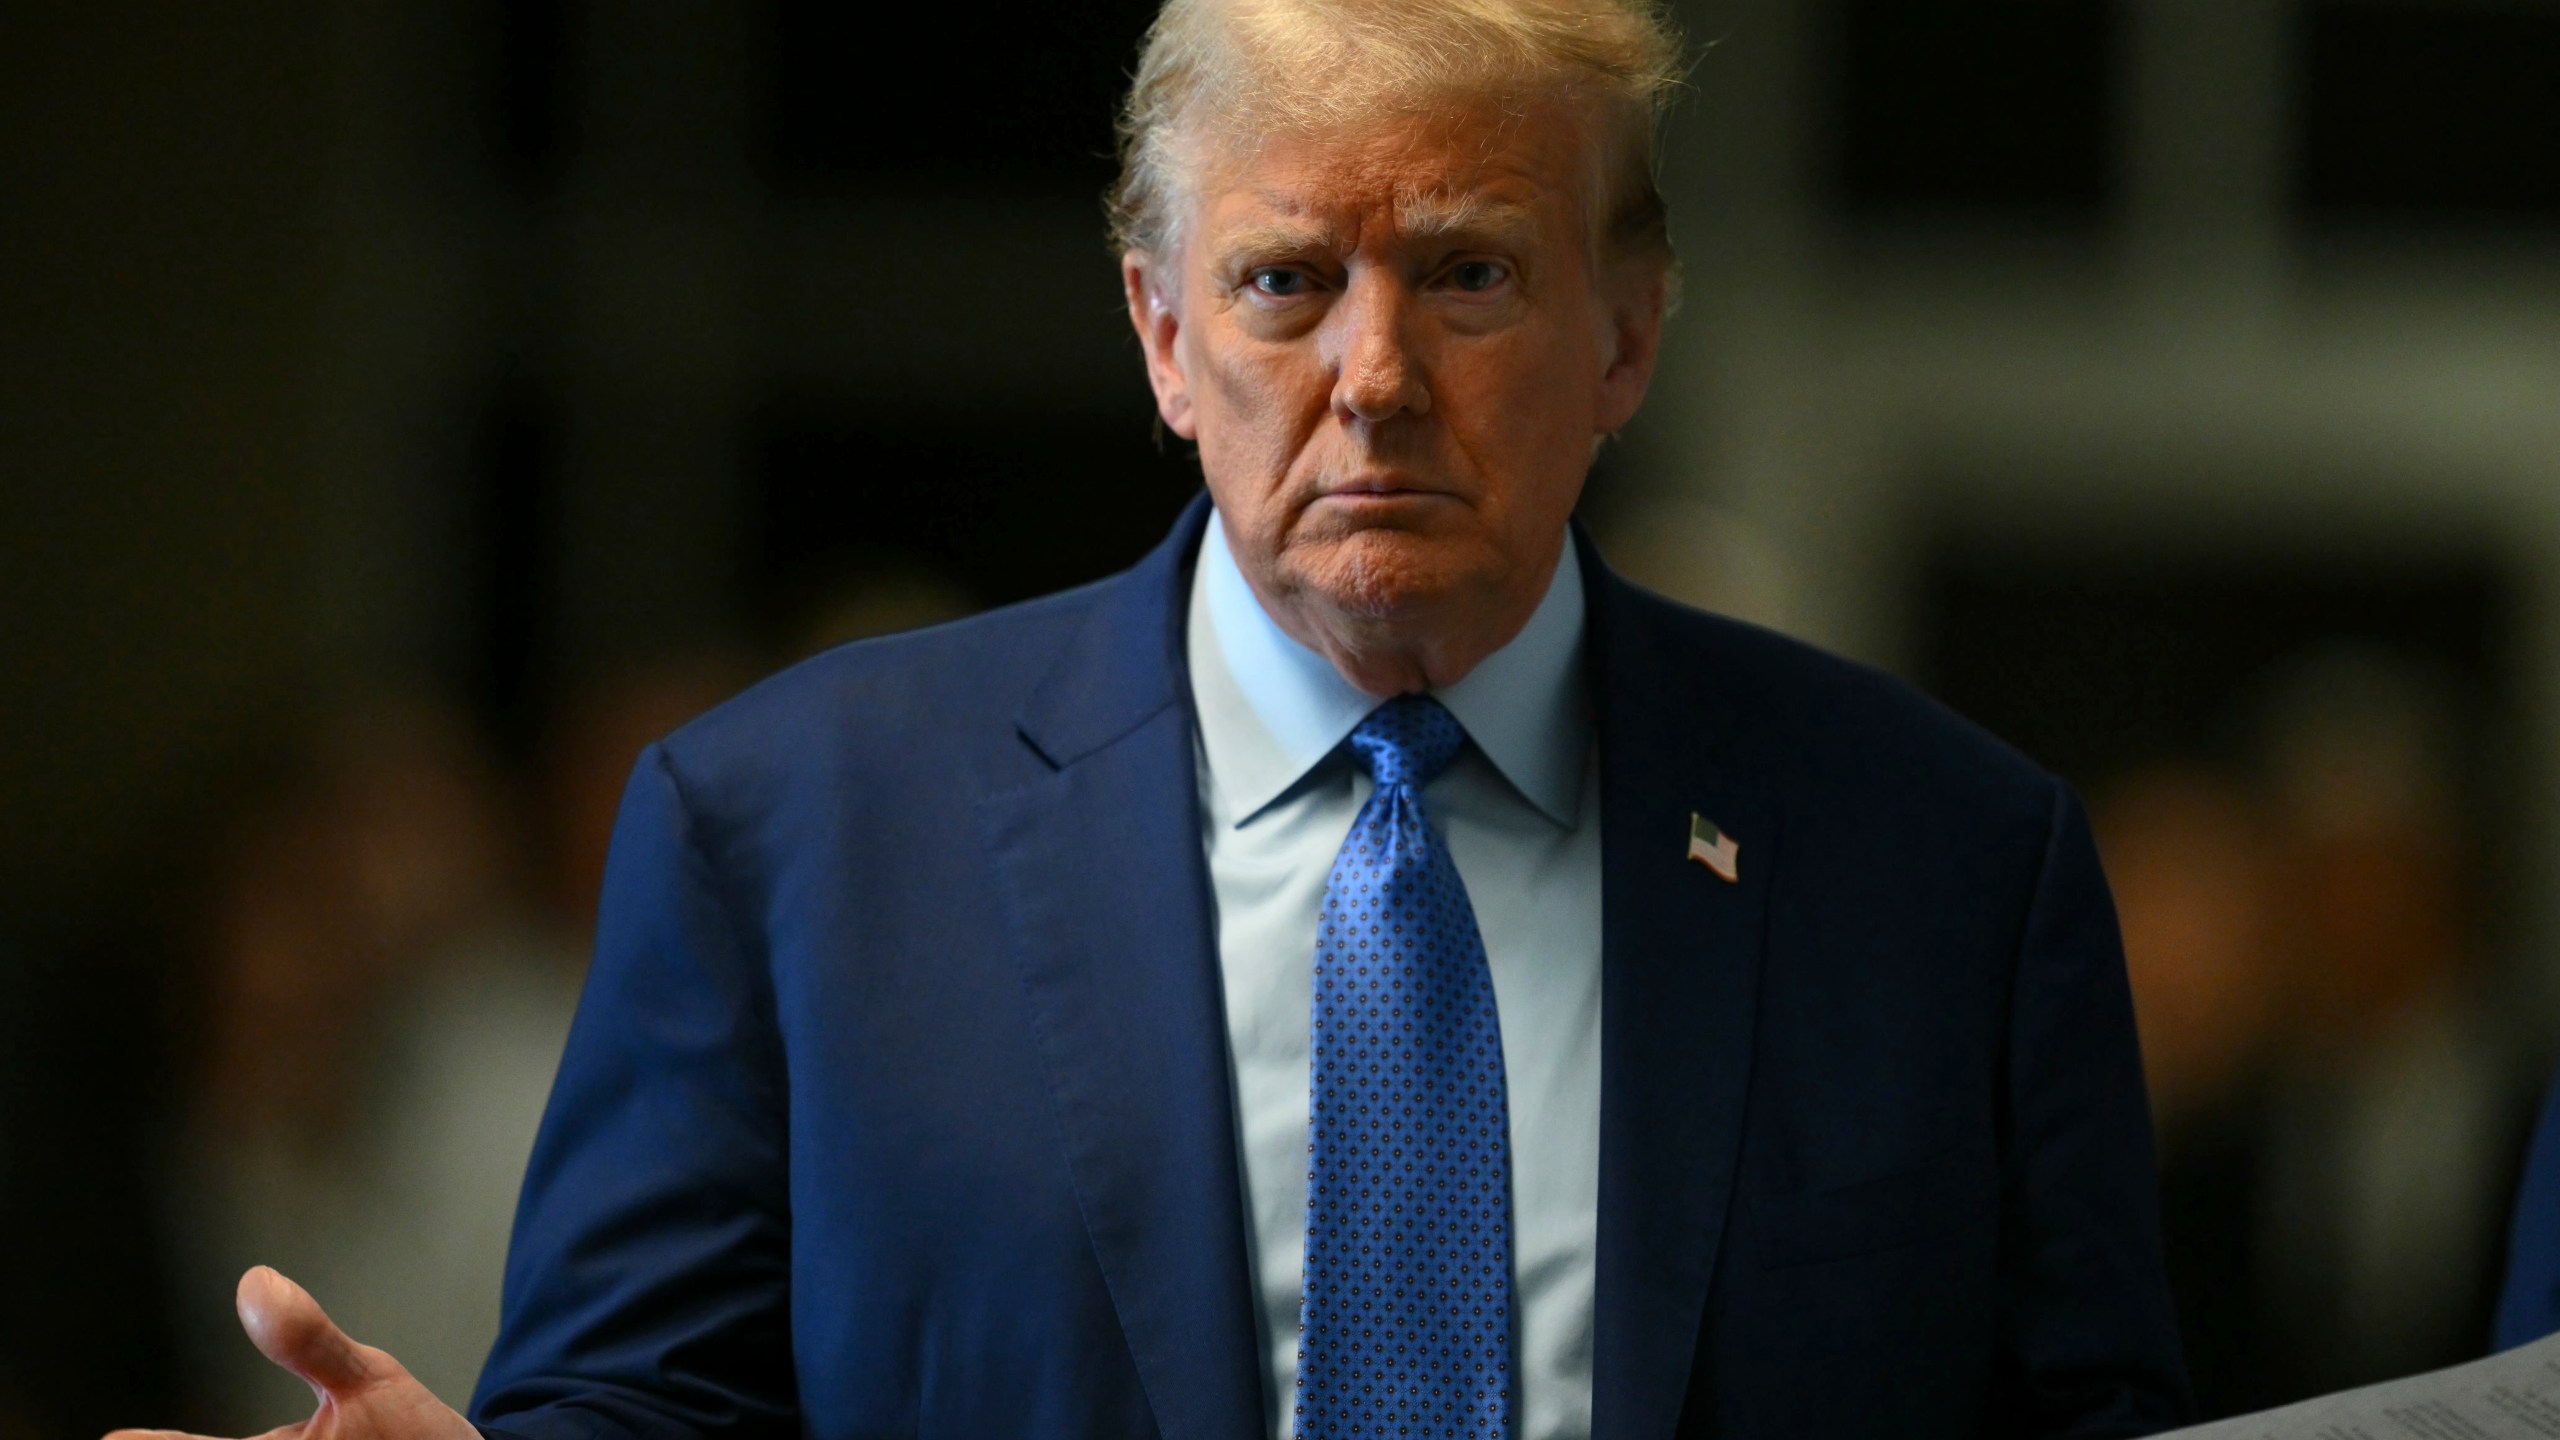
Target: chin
[(1390, 575)]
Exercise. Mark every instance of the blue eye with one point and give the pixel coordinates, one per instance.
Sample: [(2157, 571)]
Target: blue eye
[(1477, 275), (1279, 283)]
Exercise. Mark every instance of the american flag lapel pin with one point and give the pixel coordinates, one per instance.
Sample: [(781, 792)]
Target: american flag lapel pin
[(1713, 848)]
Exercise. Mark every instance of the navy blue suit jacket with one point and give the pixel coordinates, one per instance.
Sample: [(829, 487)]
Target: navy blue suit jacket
[(898, 1102), (2529, 1301)]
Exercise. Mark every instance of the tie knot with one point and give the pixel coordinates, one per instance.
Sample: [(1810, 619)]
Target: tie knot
[(1408, 741)]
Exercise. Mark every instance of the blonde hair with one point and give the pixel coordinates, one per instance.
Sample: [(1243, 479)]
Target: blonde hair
[(1227, 70)]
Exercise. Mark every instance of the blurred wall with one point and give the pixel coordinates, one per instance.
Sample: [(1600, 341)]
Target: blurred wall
[(491, 343), (2181, 282), (161, 231)]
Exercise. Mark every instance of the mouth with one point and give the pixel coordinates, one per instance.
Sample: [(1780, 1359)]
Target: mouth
[(1370, 489)]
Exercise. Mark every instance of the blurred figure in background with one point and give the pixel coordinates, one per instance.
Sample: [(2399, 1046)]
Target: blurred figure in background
[(2190, 861), (2190, 858), (392, 945), (393, 949), (2404, 1104), (2339, 1113), (379, 1028)]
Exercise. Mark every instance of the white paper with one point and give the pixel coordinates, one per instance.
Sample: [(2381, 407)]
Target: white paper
[(2513, 1396)]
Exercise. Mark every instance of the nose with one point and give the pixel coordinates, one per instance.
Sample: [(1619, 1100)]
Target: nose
[(1377, 374)]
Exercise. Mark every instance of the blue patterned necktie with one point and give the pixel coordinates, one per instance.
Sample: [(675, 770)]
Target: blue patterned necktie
[(1405, 1328)]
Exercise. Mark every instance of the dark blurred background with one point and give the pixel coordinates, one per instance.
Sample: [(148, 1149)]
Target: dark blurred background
[(408, 410)]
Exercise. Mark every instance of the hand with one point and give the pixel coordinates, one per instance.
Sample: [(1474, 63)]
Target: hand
[(364, 1394)]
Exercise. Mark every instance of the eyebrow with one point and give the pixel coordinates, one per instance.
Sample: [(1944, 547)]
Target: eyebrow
[(1419, 217), (1442, 217), (1276, 240)]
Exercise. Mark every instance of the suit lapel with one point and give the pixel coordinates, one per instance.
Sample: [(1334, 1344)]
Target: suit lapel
[(1680, 965), (1101, 865)]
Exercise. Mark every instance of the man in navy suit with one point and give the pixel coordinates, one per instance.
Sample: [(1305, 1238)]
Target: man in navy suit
[(946, 1066)]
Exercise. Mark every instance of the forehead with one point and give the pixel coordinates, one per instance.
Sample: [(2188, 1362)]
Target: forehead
[(1456, 168)]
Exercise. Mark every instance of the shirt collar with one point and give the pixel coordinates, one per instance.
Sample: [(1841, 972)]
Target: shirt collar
[(1271, 709)]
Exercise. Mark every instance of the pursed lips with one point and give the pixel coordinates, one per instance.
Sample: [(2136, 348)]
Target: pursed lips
[(1384, 487)]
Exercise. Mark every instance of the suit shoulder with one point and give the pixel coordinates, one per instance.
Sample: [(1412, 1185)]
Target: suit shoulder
[(920, 697), (1827, 720)]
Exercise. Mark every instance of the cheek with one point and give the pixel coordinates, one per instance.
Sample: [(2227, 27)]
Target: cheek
[(1559, 364), (1523, 406), (1256, 409)]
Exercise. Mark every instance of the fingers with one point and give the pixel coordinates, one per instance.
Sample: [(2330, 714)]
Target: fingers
[(291, 1329)]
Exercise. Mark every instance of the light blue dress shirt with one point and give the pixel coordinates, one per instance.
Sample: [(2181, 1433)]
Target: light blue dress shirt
[(1520, 811)]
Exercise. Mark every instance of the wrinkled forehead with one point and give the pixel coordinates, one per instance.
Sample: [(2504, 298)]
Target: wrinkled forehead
[(1478, 170)]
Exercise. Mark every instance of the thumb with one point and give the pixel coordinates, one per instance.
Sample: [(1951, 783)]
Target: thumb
[(290, 1328)]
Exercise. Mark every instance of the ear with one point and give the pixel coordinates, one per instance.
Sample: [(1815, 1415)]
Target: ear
[(1156, 316), (1636, 299)]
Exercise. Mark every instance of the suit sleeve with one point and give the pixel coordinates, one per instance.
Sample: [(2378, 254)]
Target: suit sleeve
[(648, 1282), (2090, 1340), (2529, 1301)]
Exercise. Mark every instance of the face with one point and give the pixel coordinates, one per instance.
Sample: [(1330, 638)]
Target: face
[(1395, 349)]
